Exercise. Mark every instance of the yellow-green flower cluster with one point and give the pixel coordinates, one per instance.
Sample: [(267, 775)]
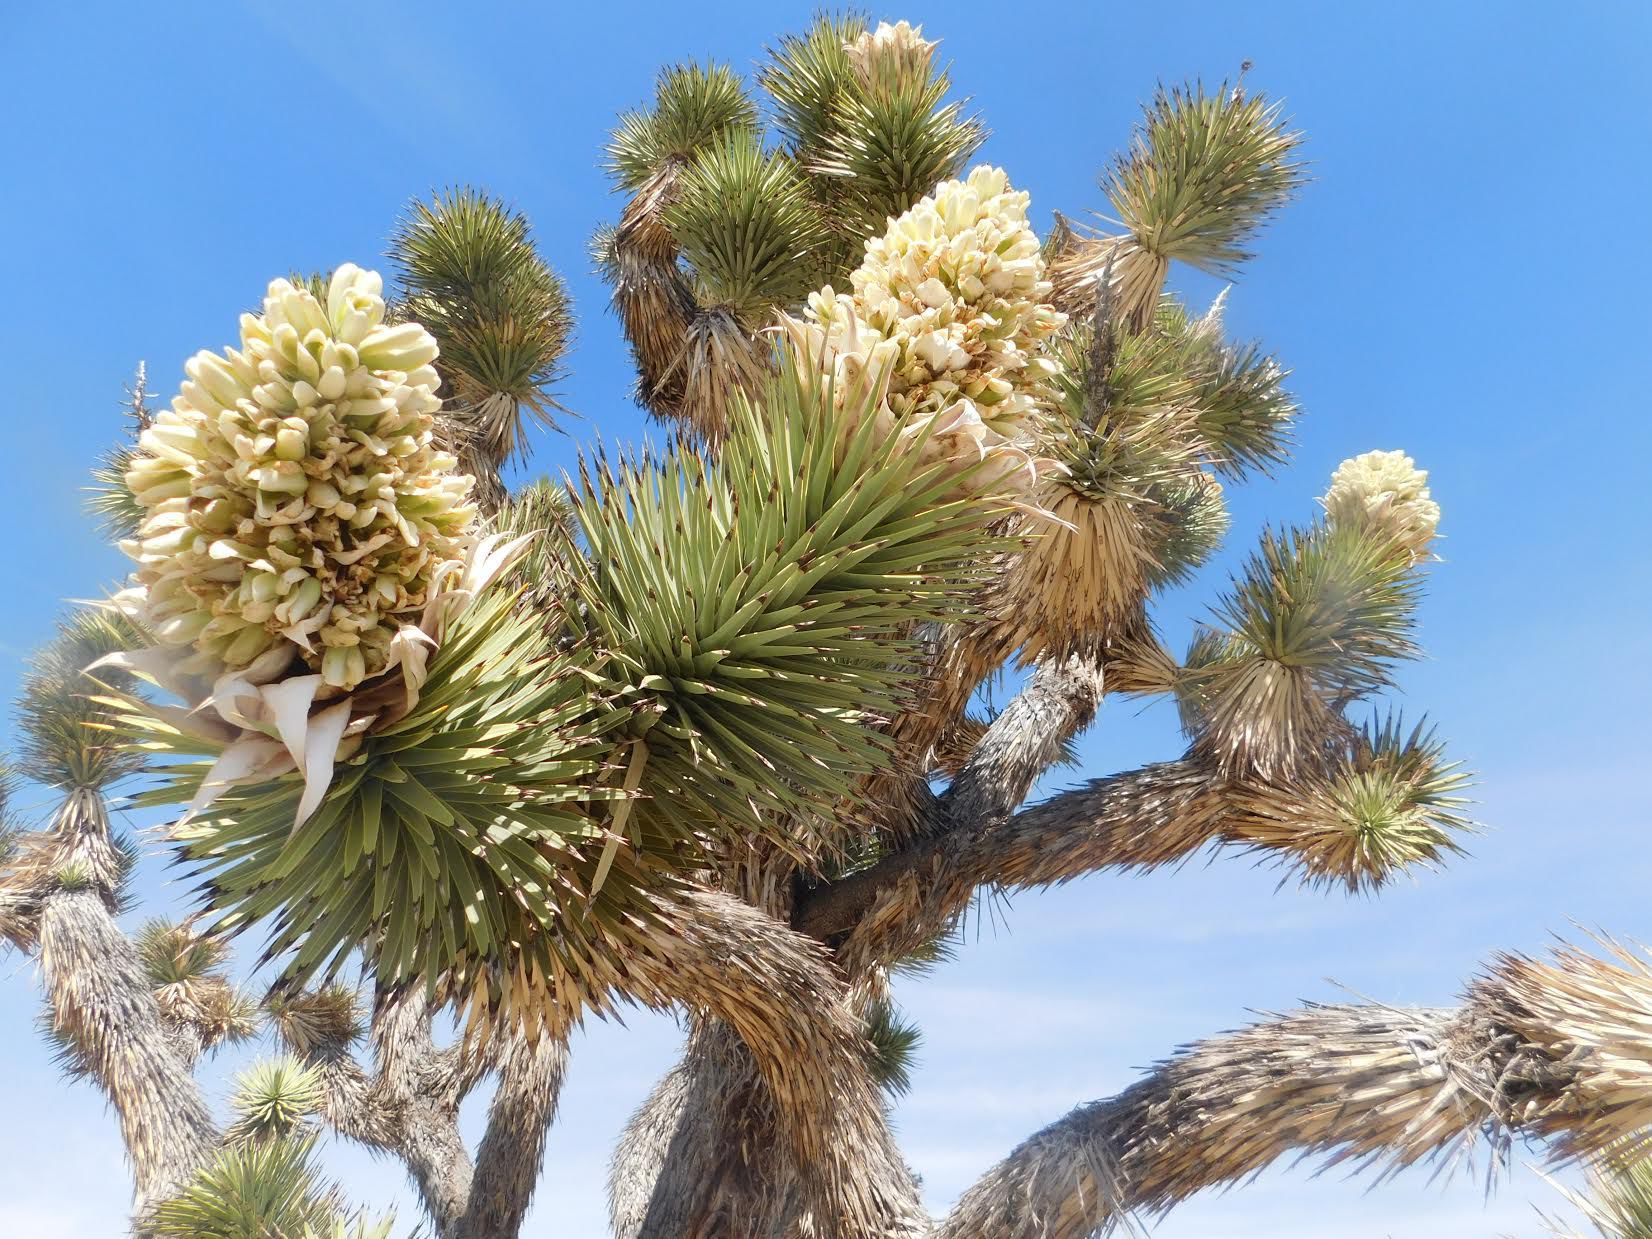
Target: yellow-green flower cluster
[(1384, 491), (296, 500), (947, 318)]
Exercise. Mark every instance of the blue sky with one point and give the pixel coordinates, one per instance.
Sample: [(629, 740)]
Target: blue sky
[(1466, 278)]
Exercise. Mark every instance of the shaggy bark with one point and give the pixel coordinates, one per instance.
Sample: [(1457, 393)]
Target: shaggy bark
[(101, 1001), (1560, 1051), (409, 1108), (651, 297), (1156, 815), (789, 1072), (703, 1154), (911, 896), (699, 1157), (513, 1147)]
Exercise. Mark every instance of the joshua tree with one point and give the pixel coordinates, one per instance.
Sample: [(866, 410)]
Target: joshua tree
[(694, 730)]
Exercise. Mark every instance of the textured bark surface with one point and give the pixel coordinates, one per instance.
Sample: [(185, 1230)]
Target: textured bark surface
[(654, 302), (788, 1073), (1560, 1051), (101, 1001)]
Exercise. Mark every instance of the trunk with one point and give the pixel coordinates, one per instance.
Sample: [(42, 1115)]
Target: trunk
[(700, 1157), (654, 303), (409, 1108), (789, 1071), (513, 1147), (101, 1000)]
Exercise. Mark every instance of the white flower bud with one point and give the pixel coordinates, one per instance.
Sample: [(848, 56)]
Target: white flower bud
[(1386, 492), (948, 308)]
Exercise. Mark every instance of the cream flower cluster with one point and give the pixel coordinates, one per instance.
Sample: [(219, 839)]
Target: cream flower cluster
[(944, 330), (1385, 490), (900, 50), (296, 501)]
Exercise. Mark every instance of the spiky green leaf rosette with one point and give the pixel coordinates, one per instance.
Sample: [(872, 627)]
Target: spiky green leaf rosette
[(945, 329), (298, 508), (1317, 620), (1206, 170), (445, 842), (1144, 423), (757, 609)]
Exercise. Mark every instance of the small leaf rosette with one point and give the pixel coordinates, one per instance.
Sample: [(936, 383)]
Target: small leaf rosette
[(946, 323), (305, 539)]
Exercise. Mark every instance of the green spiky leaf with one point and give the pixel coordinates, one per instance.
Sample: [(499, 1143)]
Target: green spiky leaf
[(1203, 173), (58, 717), (273, 1098), (756, 608), (476, 281), (694, 106), (894, 1041), (1386, 802), (109, 500), (173, 952), (806, 76), (452, 834), (891, 139), (545, 509), (251, 1190), (747, 228)]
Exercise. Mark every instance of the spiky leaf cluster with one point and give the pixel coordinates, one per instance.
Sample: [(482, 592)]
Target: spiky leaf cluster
[(720, 233), (109, 500), (58, 717), (754, 609), (444, 841), (185, 968), (252, 1190), (694, 106), (889, 134), (1617, 1202), (1203, 173), (310, 1020), (546, 509), (273, 1099), (1316, 621), (1389, 800), (1175, 391), (473, 277), (894, 1041), (1144, 421), (745, 224)]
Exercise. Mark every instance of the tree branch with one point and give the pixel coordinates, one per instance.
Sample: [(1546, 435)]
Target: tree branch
[(1561, 1051), (1151, 816), (775, 989), (1021, 744), (101, 1000), (509, 1159)]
